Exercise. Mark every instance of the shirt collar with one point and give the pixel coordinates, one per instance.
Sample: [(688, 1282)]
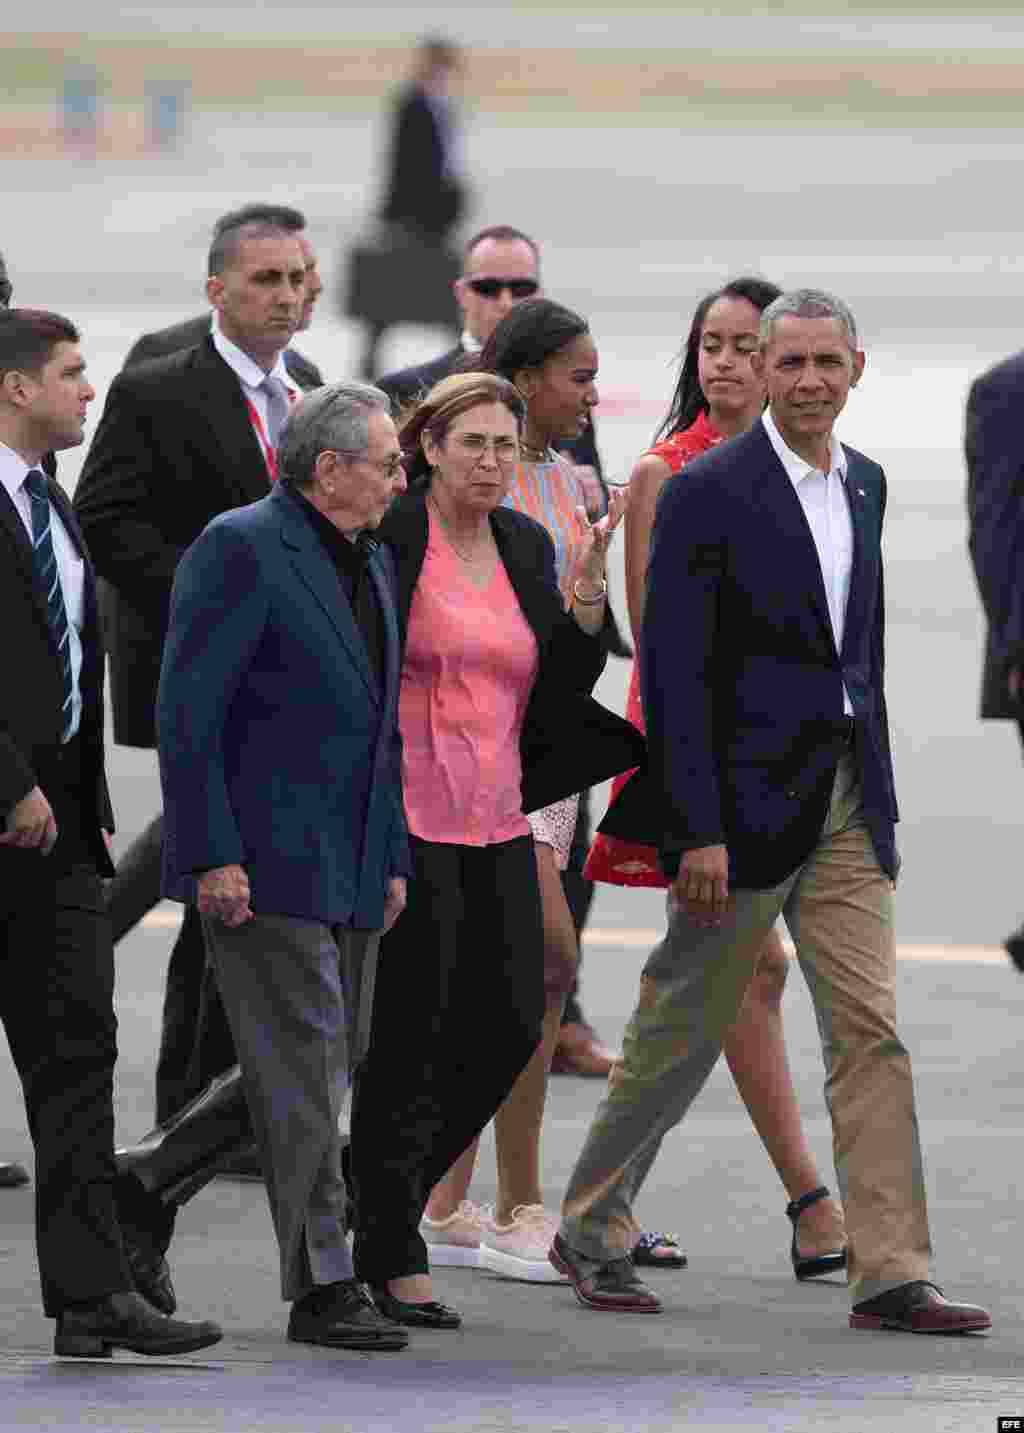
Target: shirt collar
[(246, 369), (471, 344), (14, 470), (798, 468)]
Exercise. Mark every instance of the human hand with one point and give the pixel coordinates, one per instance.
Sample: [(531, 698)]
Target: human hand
[(224, 894), (593, 557), (701, 888), (394, 901), (31, 824)]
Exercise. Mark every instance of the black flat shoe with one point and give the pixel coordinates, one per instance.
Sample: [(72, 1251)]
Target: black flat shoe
[(814, 1265), (126, 1321), (432, 1315), (13, 1176), (343, 1315)]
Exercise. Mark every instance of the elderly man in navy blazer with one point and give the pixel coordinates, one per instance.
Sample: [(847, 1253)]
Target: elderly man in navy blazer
[(770, 792), (284, 823)]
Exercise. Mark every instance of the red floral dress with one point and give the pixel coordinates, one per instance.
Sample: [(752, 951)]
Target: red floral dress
[(621, 863)]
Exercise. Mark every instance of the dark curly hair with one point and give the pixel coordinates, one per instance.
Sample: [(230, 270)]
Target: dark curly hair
[(528, 336)]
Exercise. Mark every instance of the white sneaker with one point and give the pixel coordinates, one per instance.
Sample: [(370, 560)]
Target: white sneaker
[(455, 1240), (519, 1249)]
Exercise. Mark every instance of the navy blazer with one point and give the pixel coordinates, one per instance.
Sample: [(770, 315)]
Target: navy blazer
[(279, 752), (742, 683), (995, 510)]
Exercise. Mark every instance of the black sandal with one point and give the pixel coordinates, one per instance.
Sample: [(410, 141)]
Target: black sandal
[(814, 1265), (645, 1257)]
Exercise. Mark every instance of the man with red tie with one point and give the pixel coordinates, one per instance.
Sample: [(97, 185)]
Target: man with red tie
[(182, 439)]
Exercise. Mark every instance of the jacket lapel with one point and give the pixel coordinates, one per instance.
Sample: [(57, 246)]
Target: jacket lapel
[(317, 572), (528, 584), (856, 496), (10, 521), (225, 425), (392, 643)]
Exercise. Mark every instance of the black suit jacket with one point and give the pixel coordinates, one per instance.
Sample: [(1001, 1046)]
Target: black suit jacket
[(197, 330), (421, 193), (31, 697), (995, 508), (174, 448), (569, 741), (742, 683)]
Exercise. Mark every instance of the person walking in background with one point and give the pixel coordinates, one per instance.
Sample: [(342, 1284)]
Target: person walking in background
[(770, 791), (280, 768), (496, 720), (182, 439), (501, 268), (995, 513), (720, 394), (425, 192), (58, 992)]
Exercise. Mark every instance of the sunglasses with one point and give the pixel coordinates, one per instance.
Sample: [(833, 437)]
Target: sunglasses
[(491, 288)]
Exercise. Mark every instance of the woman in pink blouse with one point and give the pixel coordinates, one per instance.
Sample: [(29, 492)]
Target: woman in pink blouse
[(496, 720)]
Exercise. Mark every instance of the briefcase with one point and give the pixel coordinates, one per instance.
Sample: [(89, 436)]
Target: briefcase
[(399, 277)]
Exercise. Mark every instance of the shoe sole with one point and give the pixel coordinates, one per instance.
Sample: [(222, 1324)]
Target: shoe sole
[(385, 1343), (93, 1346), (603, 1306), (454, 1256), (527, 1271), (875, 1321)]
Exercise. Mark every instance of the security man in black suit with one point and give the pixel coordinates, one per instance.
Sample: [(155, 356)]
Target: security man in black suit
[(187, 334), (182, 439), (56, 1000), (995, 509), (500, 268)]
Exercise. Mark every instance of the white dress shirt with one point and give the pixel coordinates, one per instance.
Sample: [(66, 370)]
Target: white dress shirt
[(827, 509), (250, 374), (70, 566)]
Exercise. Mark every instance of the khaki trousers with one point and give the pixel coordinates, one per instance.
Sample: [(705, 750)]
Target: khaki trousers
[(838, 907)]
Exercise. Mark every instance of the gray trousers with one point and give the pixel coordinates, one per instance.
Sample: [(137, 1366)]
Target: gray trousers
[(838, 907), (292, 989)]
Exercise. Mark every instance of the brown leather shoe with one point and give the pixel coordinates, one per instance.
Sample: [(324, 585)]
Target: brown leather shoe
[(580, 1052), (918, 1307), (612, 1287)]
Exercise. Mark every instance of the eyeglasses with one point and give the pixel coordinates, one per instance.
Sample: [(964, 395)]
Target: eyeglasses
[(389, 468), (491, 288)]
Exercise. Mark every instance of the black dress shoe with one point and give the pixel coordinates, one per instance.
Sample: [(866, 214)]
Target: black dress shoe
[(151, 1274), (1014, 947), (12, 1176), (812, 1266), (343, 1315), (125, 1320), (432, 1315), (612, 1287), (918, 1307)]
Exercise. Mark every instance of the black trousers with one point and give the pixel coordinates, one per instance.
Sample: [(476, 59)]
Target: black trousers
[(57, 1006), (195, 1041), (457, 1014)]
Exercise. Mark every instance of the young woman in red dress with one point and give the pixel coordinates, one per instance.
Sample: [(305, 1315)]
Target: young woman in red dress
[(717, 397)]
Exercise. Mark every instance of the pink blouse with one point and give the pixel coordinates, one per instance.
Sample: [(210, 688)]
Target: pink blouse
[(470, 665)]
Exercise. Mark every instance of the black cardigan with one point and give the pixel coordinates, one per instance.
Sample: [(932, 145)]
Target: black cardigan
[(569, 741)]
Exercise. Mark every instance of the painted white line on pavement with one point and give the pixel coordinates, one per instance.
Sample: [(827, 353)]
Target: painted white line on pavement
[(642, 938)]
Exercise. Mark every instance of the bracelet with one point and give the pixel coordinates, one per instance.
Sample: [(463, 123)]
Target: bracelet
[(590, 601)]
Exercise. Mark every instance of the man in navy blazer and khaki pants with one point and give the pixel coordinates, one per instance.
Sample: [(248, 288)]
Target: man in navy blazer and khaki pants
[(770, 792), (281, 771)]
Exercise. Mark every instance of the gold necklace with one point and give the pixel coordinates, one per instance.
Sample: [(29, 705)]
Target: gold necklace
[(472, 557)]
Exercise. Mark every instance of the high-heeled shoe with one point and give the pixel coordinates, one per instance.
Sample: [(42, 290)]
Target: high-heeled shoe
[(812, 1266)]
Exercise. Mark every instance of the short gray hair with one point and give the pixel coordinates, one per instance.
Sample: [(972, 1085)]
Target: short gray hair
[(808, 303), (335, 417)]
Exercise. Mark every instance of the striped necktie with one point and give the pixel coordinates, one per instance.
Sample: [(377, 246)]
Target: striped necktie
[(49, 579), (278, 405)]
